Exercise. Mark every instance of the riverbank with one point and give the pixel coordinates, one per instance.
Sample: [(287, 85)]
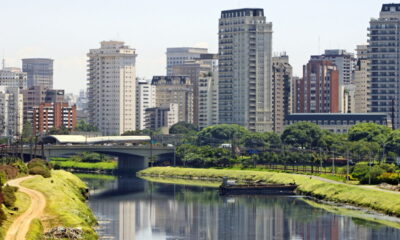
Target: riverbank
[(84, 167), (385, 202), (66, 203)]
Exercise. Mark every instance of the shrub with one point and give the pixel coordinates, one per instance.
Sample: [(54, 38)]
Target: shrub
[(391, 178), (38, 162), (9, 172), (362, 171), (9, 195), (40, 170), (3, 216), (21, 166)]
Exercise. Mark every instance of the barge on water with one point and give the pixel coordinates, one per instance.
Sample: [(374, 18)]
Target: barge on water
[(230, 188)]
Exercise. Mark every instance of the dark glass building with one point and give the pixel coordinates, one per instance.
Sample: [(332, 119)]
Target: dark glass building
[(39, 71)]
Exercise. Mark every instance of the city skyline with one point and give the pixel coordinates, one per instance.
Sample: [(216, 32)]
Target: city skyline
[(57, 35)]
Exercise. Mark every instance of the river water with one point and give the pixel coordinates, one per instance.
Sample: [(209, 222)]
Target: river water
[(135, 209)]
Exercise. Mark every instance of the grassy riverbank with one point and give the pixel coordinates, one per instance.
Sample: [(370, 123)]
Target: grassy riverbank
[(69, 163), (66, 204), (388, 203), (22, 203)]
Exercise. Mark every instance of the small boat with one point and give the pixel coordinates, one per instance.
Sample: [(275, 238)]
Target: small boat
[(228, 188)]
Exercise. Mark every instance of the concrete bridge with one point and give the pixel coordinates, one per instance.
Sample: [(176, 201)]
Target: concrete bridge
[(130, 158)]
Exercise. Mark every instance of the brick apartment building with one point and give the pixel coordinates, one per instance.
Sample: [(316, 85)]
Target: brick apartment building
[(53, 115)]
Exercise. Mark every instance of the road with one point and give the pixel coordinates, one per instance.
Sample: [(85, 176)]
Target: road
[(20, 226)]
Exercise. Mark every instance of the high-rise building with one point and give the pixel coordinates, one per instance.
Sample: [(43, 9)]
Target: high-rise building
[(245, 65), (281, 82), (112, 87), (13, 77), (145, 98), (384, 56), (175, 89), (36, 95), (318, 90), (39, 71), (162, 117), (11, 123), (178, 56), (345, 63), (208, 100), (361, 80), (206, 64), (53, 115)]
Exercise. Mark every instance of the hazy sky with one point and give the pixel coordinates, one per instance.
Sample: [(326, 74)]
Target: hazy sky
[(66, 29)]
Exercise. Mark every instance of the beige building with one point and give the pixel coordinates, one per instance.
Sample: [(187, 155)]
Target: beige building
[(179, 55), (11, 114), (112, 87), (162, 117), (281, 82), (13, 77), (361, 80), (208, 100), (178, 90), (245, 69)]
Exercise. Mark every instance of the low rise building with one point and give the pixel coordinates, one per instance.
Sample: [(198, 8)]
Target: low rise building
[(53, 115), (338, 122), (162, 117)]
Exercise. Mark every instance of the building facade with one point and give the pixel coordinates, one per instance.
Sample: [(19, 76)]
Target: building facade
[(206, 64), (208, 100), (245, 65), (14, 78), (384, 54), (281, 82), (162, 117), (318, 90), (361, 80), (53, 115), (145, 98), (178, 56), (39, 72), (112, 87), (178, 90), (11, 114), (36, 95)]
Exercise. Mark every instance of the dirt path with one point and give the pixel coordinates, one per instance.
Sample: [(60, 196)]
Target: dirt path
[(20, 226)]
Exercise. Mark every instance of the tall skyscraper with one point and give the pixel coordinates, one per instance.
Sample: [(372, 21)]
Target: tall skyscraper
[(318, 90), (112, 87), (384, 54), (39, 71), (281, 81), (245, 65), (361, 80), (179, 55)]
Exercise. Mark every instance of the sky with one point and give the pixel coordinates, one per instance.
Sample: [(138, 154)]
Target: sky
[(65, 30)]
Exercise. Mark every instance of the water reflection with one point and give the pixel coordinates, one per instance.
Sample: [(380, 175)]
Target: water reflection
[(133, 209)]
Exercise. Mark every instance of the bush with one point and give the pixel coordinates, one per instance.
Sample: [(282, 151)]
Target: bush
[(40, 170), (3, 216), (362, 172), (9, 195), (21, 166), (391, 178), (39, 162)]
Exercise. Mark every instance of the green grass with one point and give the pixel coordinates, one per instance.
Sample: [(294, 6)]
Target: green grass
[(66, 206), (385, 202), (85, 165), (36, 231), (95, 176), (22, 204), (185, 182)]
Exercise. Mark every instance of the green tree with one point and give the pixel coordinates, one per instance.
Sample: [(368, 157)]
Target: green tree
[(182, 128), (304, 134), (370, 132), (254, 140), (393, 142), (59, 131), (137, 132), (83, 126), (222, 133)]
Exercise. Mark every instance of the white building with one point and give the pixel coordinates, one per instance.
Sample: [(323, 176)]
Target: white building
[(245, 69), (208, 100), (178, 56), (361, 80), (145, 98), (13, 77), (11, 111), (112, 87)]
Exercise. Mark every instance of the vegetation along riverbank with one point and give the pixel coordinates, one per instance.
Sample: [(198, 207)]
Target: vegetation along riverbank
[(381, 201), (86, 163)]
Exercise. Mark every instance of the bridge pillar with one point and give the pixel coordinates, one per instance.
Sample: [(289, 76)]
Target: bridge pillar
[(131, 164)]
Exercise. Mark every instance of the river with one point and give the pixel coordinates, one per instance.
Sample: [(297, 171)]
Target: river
[(129, 208)]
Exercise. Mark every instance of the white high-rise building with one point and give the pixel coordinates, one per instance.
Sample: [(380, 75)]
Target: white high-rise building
[(145, 98), (208, 100), (361, 80), (11, 111), (179, 55), (245, 69), (112, 87), (13, 77)]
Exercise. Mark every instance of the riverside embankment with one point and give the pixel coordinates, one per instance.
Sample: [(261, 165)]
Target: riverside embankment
[(381, 201), (64, 196)]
